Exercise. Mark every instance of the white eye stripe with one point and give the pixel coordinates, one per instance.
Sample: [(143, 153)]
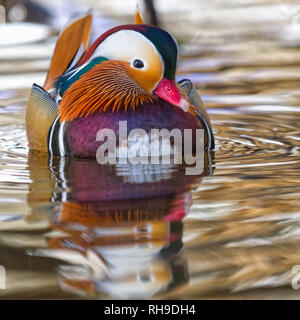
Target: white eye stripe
[(124, 43)]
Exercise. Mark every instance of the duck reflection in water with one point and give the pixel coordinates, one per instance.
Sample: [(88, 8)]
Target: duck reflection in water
[(118, 228)]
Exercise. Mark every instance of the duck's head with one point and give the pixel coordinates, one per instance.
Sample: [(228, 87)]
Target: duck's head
[(124, 68)]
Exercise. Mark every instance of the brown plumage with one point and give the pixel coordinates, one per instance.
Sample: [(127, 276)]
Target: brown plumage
[(40, 114)]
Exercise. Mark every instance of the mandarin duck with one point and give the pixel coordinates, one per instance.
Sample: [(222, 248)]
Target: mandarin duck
[(127, 74)]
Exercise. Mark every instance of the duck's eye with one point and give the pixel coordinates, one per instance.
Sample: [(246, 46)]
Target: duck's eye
[(139, 64)]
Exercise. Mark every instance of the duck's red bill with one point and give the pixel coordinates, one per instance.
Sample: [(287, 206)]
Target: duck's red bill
[(168, 91)]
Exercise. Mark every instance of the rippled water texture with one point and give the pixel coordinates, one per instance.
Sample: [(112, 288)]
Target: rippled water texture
[(71, 229)]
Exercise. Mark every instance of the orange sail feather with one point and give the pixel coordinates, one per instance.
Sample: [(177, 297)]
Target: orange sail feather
[(75, 34)]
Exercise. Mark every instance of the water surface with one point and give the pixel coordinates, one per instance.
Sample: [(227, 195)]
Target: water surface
[(70, 229)]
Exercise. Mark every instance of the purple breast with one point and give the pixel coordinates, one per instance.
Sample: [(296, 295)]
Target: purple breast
[(82, 132)]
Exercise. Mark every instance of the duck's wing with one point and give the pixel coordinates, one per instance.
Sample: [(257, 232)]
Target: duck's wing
[(196, 101), (41, 112), (71, 43)]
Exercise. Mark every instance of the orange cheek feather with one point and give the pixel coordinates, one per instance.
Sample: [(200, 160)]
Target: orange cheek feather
[(147, 79), (110, 85)]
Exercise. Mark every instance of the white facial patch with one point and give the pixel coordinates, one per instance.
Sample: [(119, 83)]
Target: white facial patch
[(128, 45)]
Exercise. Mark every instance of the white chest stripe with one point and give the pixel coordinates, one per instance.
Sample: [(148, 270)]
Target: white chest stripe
[(57, 134), (61, 139), (51, 136)]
